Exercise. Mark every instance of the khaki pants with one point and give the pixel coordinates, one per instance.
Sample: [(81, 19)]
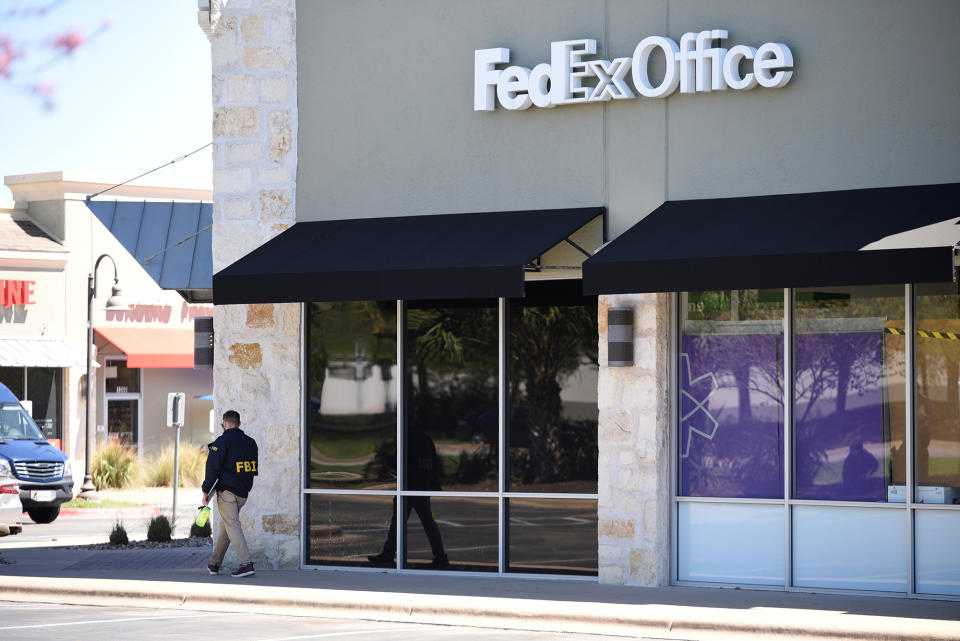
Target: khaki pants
[(229, 505)]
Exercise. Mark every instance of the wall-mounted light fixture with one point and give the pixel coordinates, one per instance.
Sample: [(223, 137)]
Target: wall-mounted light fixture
[(203, 342), (620, 337)]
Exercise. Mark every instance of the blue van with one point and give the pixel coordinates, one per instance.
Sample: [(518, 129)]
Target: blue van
[(42, 471)]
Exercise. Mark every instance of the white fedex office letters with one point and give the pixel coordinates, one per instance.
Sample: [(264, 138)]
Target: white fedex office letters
[(698, 64)]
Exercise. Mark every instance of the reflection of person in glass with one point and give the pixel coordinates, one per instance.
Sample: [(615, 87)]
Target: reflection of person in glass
[(858, 467), (423, 473)]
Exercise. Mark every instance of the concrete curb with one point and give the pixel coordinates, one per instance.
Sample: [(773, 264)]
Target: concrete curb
[(654, 620)]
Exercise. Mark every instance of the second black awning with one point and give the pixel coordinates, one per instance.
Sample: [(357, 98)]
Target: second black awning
[(850, 237), (475, 255)]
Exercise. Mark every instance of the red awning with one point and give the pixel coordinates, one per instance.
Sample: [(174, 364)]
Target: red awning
[(151, 346)]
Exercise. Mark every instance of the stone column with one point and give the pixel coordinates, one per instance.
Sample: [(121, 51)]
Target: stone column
[(257, 360), (634, 439)]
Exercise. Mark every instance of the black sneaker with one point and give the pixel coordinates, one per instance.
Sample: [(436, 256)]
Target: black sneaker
[(382, 560), (440, 562), (213, 568), (244, 570)]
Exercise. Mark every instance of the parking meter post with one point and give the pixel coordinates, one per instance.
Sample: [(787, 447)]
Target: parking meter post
[(176, 411), (176, 477)]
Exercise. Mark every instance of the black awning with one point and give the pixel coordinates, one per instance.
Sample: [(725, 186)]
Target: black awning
[(476, 255), (852, 237)]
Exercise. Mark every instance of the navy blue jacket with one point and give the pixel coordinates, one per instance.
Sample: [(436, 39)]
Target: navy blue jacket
[(232, 458)]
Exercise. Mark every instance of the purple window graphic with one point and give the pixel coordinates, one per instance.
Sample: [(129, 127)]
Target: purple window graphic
[(842, 422), (731, 416)]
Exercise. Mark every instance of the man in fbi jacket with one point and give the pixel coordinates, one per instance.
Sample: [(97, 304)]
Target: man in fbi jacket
[(231, 466)]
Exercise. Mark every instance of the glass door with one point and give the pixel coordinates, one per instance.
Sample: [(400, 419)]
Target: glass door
[(123, 422)]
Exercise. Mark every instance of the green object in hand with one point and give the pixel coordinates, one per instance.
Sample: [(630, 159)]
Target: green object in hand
[(203, 516)]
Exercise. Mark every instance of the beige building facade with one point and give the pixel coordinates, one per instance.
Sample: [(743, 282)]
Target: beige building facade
[(52, 241)]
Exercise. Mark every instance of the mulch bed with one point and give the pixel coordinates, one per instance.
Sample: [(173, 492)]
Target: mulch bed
[(191, 542)]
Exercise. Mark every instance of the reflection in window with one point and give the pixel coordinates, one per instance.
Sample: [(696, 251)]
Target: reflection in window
[(120, 379), (452, 359), (123, 417), (849, 392), (552, 536), (445, 533), (938, 394), (553, 398), (43, 390), (353, 404), (731, 407), (347, 530)]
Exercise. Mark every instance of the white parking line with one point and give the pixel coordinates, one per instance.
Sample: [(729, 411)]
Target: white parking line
[(98, 621), (338, 634), (450, 523), (577, 519)]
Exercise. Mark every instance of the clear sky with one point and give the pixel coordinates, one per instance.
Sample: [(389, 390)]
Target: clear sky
[(130, 98)]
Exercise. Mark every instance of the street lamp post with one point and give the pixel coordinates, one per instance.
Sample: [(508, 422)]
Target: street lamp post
[(114, 304)]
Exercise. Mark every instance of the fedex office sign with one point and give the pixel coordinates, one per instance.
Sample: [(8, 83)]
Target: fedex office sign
[(697, 65)]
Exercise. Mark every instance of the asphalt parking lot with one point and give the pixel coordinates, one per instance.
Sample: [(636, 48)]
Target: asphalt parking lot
[(55, 622)]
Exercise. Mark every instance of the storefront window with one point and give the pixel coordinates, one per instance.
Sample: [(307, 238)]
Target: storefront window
[(345, 530), (731, 395), (445, 533), (43, 390), (452, 414), (120, 379), (841, 526), (855, 548), (849, 393), (553, 398), (552, 536), (938, 394), (937, 573), (730, 542), (454, 515), (123, 418), (353, 401), (12, 377), (41, 387)]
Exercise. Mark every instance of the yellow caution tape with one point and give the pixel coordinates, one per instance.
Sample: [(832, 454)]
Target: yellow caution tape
[(899, 331)]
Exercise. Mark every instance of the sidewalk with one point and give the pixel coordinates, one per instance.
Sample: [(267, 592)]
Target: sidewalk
[(177, 578)]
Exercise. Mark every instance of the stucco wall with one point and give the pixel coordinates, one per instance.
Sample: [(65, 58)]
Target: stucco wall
[(46, 316), (872, 103)]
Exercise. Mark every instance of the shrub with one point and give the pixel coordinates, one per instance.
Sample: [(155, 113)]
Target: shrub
[(115, 466), (473, 468), (159, 529), (118, 535), (200, 532), (158, 472)]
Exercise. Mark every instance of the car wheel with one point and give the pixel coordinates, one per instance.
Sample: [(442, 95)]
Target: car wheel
[(44, 514)]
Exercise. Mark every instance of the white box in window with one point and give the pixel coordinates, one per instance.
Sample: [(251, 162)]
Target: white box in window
[(896, 494), (937, 494)]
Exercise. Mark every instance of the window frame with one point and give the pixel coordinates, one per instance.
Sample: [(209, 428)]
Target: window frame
[(910, 508), (502, 495)]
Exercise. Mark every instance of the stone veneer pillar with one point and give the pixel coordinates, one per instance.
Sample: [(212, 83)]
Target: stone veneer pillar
[(634, 439), (257, 348)]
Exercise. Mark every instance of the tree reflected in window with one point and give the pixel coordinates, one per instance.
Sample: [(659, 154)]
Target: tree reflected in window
[(553, 398)]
